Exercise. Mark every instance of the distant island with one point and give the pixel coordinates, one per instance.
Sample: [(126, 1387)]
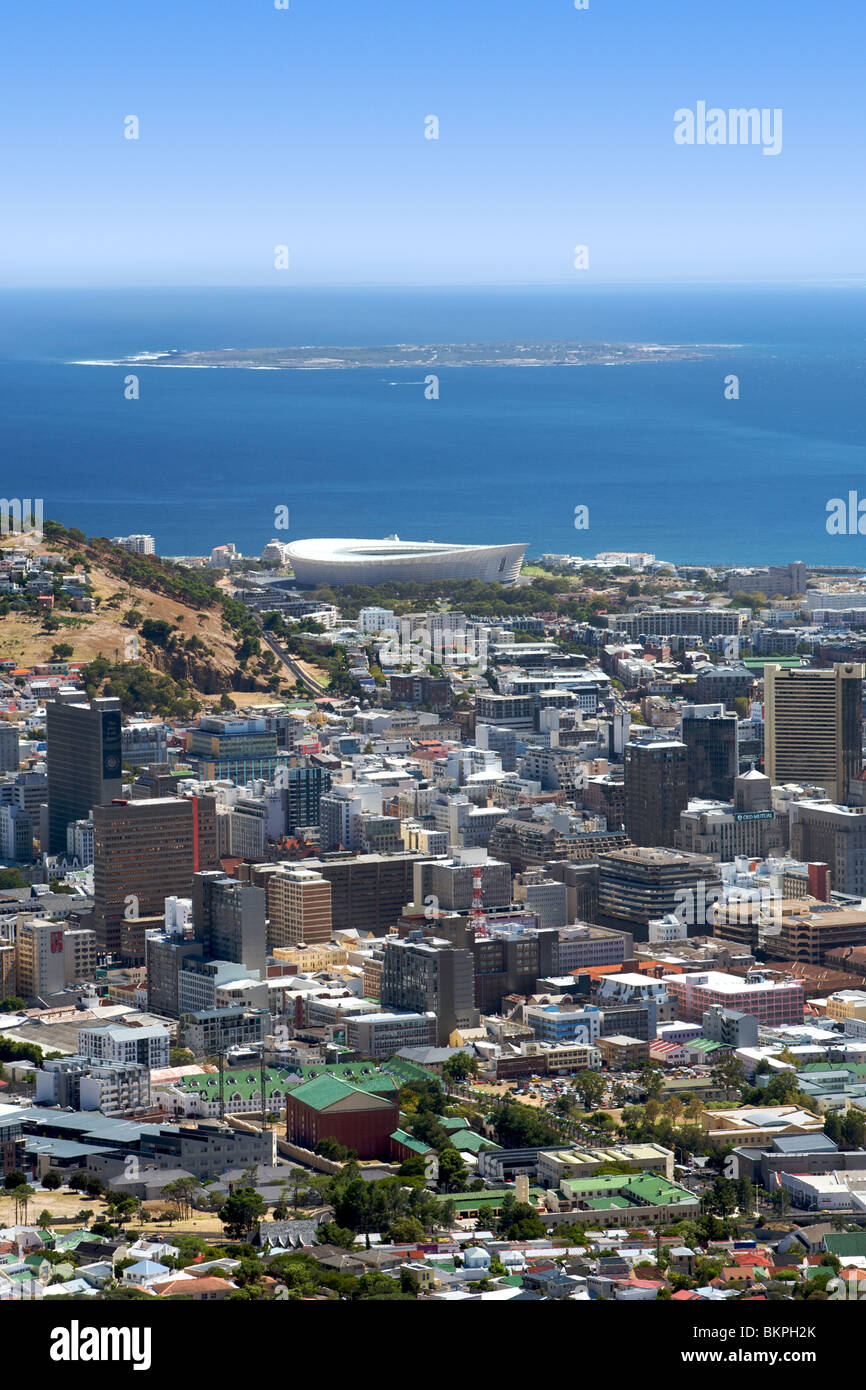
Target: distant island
[(424, 355)]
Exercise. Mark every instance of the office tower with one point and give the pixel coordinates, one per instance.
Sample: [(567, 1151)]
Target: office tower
[(9, 754), (155, 779), (753, 792), (368, 891), (79, 841), (145, 852), (237, 748), (84, 762), (426, 975), (501, 741), (545, 896), (229, 920), (710, 736), (299, 907), (640, 884), (145, 742), (833, 835), (511, 960), (813, 727), (451, 881), (16, 835), (303, 788), (656, 790), (50, 956), (340, 812), (164, 955)]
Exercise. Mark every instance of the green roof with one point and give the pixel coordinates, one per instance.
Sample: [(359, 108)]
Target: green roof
[(490, 1197), (452, 1122), (325, 1091), (846, 1243), (635, 1189), (242, 1081), (469, 1142), (408, 1071), (401, 1137), (246, 1081)]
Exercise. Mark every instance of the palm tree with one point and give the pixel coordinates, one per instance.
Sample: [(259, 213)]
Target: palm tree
[(22, 1197)]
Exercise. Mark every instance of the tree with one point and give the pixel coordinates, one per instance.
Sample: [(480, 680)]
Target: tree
[(722, 1197), (22, 1195), (181, 1192), (853, 1129), (241, 1212), (459, 1067), (120, 1207), (590, 1087), (61, 651), (52, 1180), (406, 1230), (381, 1286), (14, 1179), (519, 1127), (729, 1073), (781, 1200), (329, 1233), (652, 1080), (519, 1221), (452, 1170)]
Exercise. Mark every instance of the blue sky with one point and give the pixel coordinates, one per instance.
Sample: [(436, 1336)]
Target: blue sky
[(261, 127)]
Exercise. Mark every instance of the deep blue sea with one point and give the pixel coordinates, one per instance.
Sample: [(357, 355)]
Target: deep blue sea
[(662, 460)]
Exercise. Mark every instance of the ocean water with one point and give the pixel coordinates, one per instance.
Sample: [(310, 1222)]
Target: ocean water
[(662, 460)]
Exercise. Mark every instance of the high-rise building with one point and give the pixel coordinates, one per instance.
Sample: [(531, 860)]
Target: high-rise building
[(813, 727), (241, 749), (9, 755), (368, 891), (299, 907), (139, 545), (165, 953), (16, 835), (303, 789), (426, 975), (833, 835), (341, 810), (145, 852), (641, 884), (50, 956), (84, 762), (656, 790), (710, 736), (153, 780), (451, 881), (229, 920)]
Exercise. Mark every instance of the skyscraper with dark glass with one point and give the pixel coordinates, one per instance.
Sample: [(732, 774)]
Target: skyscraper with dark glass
[(84, 762)]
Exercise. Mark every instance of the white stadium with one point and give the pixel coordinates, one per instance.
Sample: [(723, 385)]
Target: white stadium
[(373, 562)]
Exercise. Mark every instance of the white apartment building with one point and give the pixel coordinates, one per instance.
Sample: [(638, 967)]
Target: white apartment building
[(148, 1045)]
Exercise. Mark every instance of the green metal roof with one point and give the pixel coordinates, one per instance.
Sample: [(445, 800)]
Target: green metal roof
[(325, 1091), (846, 1243), (408, 1071), (401, 1137)]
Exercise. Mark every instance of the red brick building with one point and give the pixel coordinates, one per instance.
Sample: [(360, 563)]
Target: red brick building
[(330, 1108)]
